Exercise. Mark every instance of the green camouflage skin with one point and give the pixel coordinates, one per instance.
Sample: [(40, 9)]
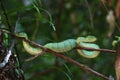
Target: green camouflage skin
[(28, 48), (87, 42), (65, 46)]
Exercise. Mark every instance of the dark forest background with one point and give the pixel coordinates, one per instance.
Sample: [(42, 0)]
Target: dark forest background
[(71, 19)]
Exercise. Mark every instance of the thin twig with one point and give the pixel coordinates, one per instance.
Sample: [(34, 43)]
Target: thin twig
[(87, 69), (90, 13), (93, 49), (15, 47), (37, 45)]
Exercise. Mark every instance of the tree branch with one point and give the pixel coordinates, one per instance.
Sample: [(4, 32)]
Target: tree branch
[(90, 13), (85, 68), (37, 45), (93, 49)]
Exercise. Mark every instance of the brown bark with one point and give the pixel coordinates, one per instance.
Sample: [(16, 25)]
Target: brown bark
[(117, 62), (118, 9)]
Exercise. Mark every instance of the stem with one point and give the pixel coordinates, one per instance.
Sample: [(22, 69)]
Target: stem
[(93, 49), (90, 13), (85, 68), (117, 62)]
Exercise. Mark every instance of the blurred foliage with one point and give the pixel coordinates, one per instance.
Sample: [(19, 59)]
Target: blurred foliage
[(71, 19)]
